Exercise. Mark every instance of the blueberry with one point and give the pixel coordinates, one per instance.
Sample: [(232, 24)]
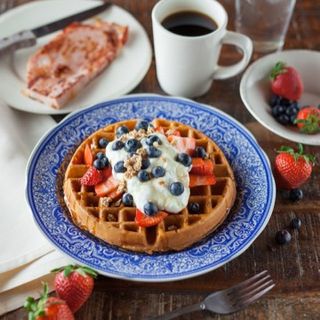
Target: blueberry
[(292, 110), (151, 139), (153, 152), (194, 207), (142, 124), (99, 164), (121, 131), (150, 209), (103, 142), (145, 163), (295, 195), (285, 102), (283, 237), (143, 175), (293, 119), (277, 110), (275, 100), (158, 172), (100, 155), (105, 161), (176, 188), (127, 199), (283, 119), (132, 145), (295, 223), (184, 159), (117, 145), (119, 167), (201, 152)]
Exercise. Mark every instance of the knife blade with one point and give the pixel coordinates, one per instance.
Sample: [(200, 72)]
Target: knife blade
[(28, 38)]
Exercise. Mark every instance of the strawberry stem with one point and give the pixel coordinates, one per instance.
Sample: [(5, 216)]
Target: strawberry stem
[(84, 271), (296, 155), (277, 69)]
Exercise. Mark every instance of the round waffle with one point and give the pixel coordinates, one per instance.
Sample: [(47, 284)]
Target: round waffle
[(116, 224)]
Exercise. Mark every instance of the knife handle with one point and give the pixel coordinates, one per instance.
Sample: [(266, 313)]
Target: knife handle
[(16, 41)]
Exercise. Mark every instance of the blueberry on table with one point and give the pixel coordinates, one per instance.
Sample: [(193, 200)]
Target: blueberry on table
[(152, 139), (119, 167), (150, 209), (117, 145), (184, 159), (283, 237), (142, 124), (99, 164), (176, 188), (158, 171), (194, 207), (153, 152), (132, 145), (295, 195), (201, 152), (145, 163), (127, 199), (143, 175), (295, 223), (103, 142), (121, 131)]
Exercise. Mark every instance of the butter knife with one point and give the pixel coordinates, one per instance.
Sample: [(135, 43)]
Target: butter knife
[(28, 38)]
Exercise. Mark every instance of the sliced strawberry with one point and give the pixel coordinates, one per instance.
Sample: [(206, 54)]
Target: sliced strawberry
[(148, 221), (107, 172), (160, 130), (196, 180), (104, 188), (92, 177), (183, 144), (88, 155), (202, 167), (115, 194)]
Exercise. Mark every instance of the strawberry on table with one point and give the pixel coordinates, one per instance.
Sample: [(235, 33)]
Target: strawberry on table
[(286, 82), (292, 168), (148, 221), (74, 284), (308, 119), (48, 308)]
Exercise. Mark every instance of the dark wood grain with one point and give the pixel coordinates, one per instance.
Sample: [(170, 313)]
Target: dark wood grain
[(295, 267)]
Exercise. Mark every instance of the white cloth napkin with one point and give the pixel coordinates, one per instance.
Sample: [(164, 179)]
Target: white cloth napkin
[(26, 257), (20, 240)]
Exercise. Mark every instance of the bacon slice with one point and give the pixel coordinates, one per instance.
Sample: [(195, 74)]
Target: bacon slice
[(64, 66)]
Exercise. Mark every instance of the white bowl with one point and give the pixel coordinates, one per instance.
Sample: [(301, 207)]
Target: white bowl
[(255, 90)]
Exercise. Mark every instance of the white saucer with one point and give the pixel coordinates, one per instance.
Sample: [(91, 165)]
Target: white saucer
[(119, 78), (255, 90)]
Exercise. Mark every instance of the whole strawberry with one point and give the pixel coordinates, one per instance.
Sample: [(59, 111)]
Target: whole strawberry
[(286, 82), (308, 119), (292, 168), (74, 284), (48, 308)]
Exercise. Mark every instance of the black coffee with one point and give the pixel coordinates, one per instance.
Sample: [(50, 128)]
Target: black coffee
[(189, 23)]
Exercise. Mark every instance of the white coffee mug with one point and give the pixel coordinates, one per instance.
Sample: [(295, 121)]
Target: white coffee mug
[(187, 65)]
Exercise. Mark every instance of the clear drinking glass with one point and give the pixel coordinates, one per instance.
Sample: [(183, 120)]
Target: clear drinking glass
[(264, 21)]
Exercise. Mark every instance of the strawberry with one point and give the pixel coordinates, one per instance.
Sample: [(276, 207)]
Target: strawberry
[(148, 221), (183, 144), (74, 284), (92, 177), (48, 308), (104, 188), (196, 180), (308, 119), (286, 82), (160, 130), (202, 167), (292, 169), (88, 155)]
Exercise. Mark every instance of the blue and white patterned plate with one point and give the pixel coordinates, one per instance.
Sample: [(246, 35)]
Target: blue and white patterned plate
[(255, 194)]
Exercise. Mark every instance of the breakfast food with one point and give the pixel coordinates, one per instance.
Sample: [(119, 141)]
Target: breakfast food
[(62, 68), (149, 187)]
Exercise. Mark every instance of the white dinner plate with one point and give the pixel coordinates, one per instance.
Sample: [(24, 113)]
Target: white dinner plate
[(125, 72), (255, 90)]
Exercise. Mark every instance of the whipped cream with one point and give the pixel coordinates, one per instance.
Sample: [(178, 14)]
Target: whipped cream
[(155, 190)]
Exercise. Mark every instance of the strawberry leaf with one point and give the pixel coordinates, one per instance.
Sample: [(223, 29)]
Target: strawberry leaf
[(277, 69)]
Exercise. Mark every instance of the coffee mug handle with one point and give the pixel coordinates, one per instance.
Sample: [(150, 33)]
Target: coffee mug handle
[(245, 44)]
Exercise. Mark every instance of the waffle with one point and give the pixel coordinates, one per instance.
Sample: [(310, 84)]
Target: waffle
[(116, 224)]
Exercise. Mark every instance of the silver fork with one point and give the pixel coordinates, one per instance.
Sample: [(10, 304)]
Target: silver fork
[(229, 300)]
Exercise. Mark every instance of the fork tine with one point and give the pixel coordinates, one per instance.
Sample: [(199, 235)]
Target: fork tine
[(242, 304), (247, 282)]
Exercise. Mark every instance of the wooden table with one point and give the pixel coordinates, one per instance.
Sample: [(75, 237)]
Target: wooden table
[(295, 267)]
